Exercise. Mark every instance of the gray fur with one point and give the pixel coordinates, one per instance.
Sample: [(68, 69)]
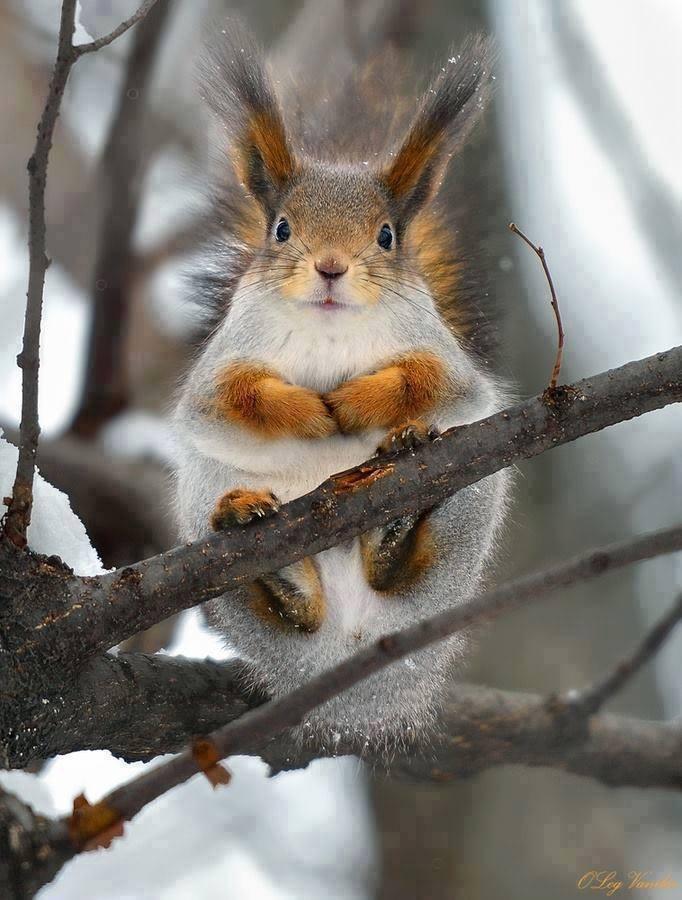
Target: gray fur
[(403, 696), (318, 350)]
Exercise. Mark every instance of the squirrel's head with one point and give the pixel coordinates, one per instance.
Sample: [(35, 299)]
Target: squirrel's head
[(334, 236)]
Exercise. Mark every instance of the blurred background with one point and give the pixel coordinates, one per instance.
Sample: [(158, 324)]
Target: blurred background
[(582, 150)]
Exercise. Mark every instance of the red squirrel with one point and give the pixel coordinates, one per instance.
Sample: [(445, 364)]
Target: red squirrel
[(346, 329)]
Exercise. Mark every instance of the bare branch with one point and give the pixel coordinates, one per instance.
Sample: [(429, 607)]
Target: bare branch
[(349, 504), (556, 371), (18, 515), (92, 46), (480, 728), (124, 164), (590, 700), (258, 726)]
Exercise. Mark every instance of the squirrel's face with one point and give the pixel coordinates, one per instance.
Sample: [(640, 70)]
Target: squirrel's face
[(332, 245), (338, 238)]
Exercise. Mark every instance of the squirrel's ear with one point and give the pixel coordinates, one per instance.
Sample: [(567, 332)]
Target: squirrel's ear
[(447, 113), (240, 91)]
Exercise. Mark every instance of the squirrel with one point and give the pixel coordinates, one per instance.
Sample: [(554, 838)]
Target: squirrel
[(345, 329)]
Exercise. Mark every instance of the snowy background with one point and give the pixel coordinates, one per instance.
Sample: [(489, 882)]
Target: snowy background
[(584, 155)]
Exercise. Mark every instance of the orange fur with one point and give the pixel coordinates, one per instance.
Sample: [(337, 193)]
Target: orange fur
[(409, 387), (392, 568), (421, 150), (255, 397), (290, 598), (248, 221), (239, 506), (430, 242), (265, 133)]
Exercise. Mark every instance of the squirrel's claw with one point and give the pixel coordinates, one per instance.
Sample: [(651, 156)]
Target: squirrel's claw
[(408, 436), (240, 506)]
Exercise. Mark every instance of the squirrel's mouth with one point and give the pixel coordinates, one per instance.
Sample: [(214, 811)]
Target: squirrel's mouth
[(329, 304)]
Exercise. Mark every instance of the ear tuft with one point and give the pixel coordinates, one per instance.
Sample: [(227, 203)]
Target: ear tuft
[(239, 90), (448, 112)]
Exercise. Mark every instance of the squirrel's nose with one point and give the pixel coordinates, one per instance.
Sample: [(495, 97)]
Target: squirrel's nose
[(331, 267)]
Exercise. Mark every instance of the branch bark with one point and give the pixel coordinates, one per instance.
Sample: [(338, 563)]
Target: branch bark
[(32, 848), (18, 515), (103, 611), (480, 728), (260, 725)]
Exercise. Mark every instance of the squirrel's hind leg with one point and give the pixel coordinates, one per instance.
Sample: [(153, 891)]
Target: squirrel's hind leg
[(396, 555), (292, 597)]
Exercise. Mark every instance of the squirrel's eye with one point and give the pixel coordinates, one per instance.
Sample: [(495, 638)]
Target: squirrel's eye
[(385, 238), (283, 231)]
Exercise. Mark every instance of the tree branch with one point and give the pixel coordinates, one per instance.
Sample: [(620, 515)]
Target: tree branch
[(92, 46), (590, 700), (87, 616), (140, 706), (18, 516), (32, 848), (554, 301), (124, 164), (256, 728)]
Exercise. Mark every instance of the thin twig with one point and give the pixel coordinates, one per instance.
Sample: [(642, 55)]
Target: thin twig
[(263, 723), (18, 516), (555, 305), (590, 700), (92, 46)]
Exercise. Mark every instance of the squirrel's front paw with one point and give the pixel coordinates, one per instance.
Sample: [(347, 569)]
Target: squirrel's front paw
[(261, 401), (408, 436), (409, 387), (242, 505), (370, 401)]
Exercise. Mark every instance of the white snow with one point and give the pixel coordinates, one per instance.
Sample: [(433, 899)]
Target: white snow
[(55, 530), (63, 331)]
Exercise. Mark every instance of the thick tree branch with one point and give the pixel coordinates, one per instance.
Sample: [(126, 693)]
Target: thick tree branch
[(161, 703), (32, 848), (85, 616), (139, 706), (256, 728)]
